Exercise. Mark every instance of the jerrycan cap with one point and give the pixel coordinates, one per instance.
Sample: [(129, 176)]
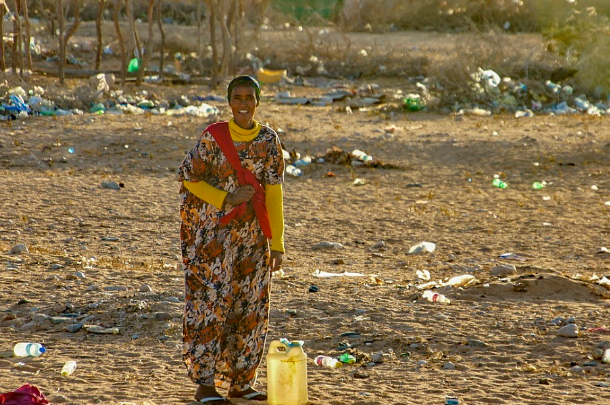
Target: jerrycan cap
[(294, 343)]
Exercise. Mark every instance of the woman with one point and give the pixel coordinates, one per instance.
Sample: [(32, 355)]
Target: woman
[(228, 216)]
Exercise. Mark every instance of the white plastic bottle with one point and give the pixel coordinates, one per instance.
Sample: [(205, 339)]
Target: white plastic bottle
[(25, 349), (435, 297), (327, 361), (68, 368)]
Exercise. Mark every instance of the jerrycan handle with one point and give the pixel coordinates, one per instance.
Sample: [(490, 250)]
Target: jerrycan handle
[(284, 345), (290, 344)]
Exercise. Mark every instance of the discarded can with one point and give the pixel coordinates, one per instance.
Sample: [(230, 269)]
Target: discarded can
[(451, 401)]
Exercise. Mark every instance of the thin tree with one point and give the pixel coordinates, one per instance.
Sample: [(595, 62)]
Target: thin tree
[(117, 27), (149, 43), (2, 60), (65, 37), (98, 30), (223, 13), (211, 6), (200, 33), (28, 35), (162, 53), (17, 57), (135, 39), (49, 15)]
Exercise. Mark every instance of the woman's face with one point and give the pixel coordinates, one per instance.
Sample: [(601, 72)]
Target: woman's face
[(243, 106)]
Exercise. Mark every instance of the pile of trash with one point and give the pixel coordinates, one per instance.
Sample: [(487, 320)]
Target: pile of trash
[(489, 94), (525, 98), (295, 163), (101, 100)]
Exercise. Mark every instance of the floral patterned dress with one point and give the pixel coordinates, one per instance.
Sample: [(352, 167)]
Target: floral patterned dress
[(226, 266)]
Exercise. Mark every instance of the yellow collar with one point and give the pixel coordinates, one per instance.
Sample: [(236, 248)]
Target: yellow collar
[(238, 134)]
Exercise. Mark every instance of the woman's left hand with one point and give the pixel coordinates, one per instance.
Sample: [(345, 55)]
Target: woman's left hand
[(275, 260)]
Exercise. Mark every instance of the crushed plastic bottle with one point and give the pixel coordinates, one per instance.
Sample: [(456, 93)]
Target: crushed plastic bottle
[(435, 297), (27, 349), (499, 183), (302, 162), (68, 368), (537, 185), (327, 361), (422, 247), (347, 358), (293, 171)]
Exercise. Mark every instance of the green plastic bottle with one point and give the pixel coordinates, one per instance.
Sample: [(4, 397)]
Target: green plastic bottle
[(537, 185), (347, 358), (134, 65), (499, 183)]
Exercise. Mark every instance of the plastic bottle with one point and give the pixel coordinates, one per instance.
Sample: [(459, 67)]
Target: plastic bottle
[(435, 297), (537, 185), (286, 373), (347, 358), (25, 349), (327, 361), (293, 171), (68, 368), (499, 183)]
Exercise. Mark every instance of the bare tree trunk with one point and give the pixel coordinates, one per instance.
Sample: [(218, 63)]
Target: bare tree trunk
[(98, 30), (200, 34), (28, 36), (162, 52), (74, 25), (226, 38), (117, 27), (135, 45), (17, 59), (62, 49), (49, 18), (236, 28), (149, 43), (2, 60), (212, 20)]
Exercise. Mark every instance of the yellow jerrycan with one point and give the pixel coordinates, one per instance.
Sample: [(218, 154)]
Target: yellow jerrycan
[(286, 373)]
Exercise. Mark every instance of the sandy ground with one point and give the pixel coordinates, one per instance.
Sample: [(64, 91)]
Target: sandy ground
[(495, 343)]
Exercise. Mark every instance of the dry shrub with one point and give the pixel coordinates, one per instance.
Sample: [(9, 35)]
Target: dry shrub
[(582, 37), (437, 15)]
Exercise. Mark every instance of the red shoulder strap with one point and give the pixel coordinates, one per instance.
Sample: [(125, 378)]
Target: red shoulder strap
[(222, 136)]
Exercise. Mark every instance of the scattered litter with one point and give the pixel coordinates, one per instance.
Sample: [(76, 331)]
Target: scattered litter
[(266, 76), (423, 275), (101, 330), (462, 281), (324, 274), (422, 247), (329, 245), (512, 256), (435, 297)]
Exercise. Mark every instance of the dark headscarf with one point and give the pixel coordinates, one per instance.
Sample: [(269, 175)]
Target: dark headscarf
[(245, 81)]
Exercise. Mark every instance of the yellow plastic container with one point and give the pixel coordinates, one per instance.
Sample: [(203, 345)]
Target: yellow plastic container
[(286, 373), (267, 76)]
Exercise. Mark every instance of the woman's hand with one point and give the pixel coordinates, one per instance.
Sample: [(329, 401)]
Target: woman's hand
[(240, 196), (275, 261)]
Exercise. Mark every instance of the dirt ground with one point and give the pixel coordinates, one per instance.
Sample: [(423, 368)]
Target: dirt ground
[(111, 257)]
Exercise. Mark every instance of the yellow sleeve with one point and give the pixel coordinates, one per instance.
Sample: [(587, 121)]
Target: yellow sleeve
[(206, 192), (274, 200)]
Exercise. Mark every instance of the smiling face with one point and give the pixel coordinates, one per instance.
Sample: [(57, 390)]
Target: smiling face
[(243, 105)]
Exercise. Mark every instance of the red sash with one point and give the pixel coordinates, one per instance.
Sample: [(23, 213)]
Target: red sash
[(222, 136)]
